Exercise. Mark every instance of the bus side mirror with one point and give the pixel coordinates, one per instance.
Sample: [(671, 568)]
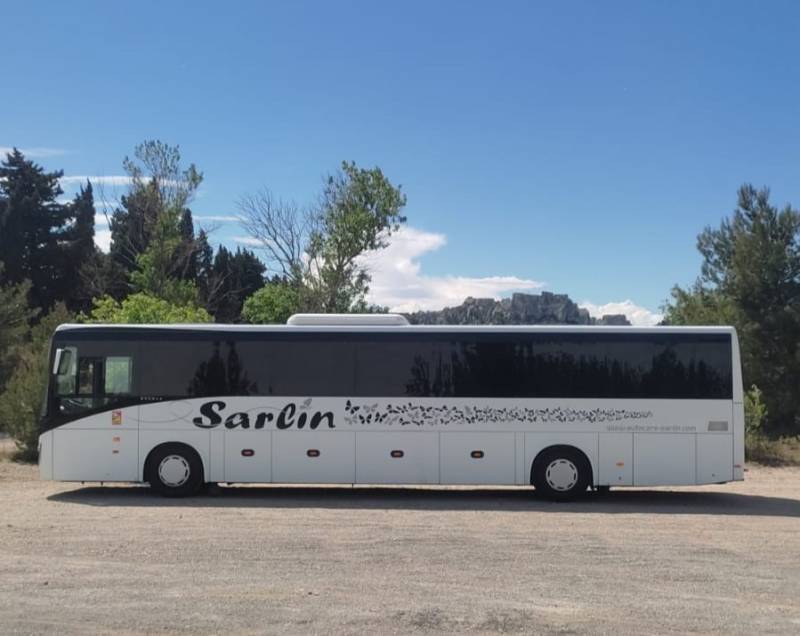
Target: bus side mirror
[(62, 363)]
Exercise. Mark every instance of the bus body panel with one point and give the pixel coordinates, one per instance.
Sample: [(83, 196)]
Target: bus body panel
[(714, 452), (46, 455), (479, 458), (664, 458), (99, 447), (248, 456), (95, 455), (738, 441), (397, 457), (314, 457), (615, 459)]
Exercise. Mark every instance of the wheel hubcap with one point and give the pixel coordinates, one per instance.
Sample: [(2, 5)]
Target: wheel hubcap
[(174, 471), (561, 475)]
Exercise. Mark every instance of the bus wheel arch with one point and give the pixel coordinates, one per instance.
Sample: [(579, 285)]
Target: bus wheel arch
[(174, 469), (561, 472)]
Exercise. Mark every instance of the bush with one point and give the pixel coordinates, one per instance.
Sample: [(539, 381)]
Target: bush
[(272, 304), (21, 402), (142, 308), (758, 446)]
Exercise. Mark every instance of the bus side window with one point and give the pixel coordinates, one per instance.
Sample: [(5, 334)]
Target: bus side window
[(118, 375), (90, 371)]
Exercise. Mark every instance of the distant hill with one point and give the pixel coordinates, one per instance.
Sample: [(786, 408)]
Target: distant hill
[(521, 309)]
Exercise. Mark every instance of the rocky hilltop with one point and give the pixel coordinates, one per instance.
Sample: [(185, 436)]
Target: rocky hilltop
[(521, 309)]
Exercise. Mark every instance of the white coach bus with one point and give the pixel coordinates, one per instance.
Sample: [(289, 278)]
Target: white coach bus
[(373, 400)]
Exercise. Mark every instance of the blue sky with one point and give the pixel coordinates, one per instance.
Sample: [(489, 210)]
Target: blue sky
[(575, 147)]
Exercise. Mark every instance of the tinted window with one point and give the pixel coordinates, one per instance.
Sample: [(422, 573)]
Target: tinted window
[(194, 368), (577, 365), (246, 365), (546, 365)]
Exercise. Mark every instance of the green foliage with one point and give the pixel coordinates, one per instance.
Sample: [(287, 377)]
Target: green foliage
[(15, 314), (38, 233), (142, 308), (320, 250), (152, 232), (758, 446), (272, 304), (21, 402), (360, 209), (755, 411), (750, 278), (699, 306), (232, 277)]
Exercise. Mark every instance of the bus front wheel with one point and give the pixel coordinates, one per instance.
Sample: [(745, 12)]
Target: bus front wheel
[(561, 473), (174, 470)]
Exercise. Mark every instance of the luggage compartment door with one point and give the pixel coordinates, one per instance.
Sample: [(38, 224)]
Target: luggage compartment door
[(313, 457), (248, 456), (410, 457), (478, 458)]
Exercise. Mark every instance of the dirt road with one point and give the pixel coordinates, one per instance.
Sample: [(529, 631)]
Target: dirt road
[(80, 560)]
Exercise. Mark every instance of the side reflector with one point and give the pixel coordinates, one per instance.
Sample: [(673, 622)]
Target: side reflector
[(476, 454), (312, 452), (115, 439), (397, 453), (620, 464), (718, 425), (248, 452)]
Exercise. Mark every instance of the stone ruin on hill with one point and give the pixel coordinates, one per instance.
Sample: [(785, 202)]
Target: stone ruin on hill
[(521, 309)]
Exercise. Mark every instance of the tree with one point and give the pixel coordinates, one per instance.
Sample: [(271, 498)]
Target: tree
[(272, 304), (81, 248), (750, 277), (152, 231), (699, 305), (21, 402), (15, 315), (234, 276), (143, 308), (35, 231), (318, 250)]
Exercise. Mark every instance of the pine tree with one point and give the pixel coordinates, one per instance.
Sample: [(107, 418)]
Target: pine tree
[(235, 276), (35, 230)]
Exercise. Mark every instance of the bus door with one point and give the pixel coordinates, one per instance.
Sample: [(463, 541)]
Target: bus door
[(94, 411)]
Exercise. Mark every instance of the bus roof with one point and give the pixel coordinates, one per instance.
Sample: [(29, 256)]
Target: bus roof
[(230, 328)]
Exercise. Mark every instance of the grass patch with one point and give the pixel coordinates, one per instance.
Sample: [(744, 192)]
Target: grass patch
[(784, 451)]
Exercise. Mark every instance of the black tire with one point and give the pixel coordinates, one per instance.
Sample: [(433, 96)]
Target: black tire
[(561, 473), (175, 470)]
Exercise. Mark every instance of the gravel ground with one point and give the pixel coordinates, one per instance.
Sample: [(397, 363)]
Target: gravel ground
[(83, 560)]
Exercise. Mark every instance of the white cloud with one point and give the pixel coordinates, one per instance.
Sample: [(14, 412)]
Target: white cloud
[(248, 240), (110, 180), (100, 219), (34, 153), (214, 217), (398, 282), (639, 316), (102, 238)]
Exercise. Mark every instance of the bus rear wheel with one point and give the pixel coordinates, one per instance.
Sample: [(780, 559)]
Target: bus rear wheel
[(561, 473), (174, 470)]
